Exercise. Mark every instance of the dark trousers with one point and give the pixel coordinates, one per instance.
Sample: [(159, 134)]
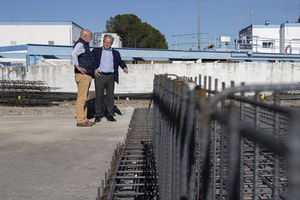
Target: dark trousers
[(104, 81)]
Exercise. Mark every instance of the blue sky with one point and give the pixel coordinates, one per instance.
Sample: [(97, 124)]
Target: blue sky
[(170, 17)]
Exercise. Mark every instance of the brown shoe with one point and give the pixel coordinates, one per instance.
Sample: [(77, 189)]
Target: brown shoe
[(84, 124), (92, 123)]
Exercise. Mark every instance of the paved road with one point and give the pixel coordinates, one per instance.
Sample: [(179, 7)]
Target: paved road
[(48, 157)]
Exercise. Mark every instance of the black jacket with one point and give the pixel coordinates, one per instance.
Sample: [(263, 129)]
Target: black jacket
[(97, 53)]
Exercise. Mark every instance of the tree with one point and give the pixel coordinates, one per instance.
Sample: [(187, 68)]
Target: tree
[(134, 33)]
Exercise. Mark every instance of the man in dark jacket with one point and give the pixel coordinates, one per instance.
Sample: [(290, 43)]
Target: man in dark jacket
[(106, 74), (84, 64)]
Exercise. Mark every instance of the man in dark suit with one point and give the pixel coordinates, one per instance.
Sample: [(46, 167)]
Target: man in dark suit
[(106, 74)]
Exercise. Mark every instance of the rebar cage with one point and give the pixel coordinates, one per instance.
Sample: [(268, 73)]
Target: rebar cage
[(227, 144)]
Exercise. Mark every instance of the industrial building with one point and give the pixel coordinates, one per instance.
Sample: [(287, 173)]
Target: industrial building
[(284, 38), (46, 33), (44, 61), (32, 42), (17, 37)]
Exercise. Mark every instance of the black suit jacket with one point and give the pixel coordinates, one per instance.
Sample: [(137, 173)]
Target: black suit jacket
[(97, 53)]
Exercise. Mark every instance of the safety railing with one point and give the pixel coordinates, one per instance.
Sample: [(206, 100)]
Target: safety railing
[(227, 144), (234, 42)]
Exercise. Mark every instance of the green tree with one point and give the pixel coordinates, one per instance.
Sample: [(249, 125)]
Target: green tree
[(134, 33)]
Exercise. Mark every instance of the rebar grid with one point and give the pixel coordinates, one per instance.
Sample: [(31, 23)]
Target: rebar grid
[(23, 93), (133, 168), (223, 145)]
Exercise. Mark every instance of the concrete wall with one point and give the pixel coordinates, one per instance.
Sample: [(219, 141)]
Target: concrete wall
[(140, 77)]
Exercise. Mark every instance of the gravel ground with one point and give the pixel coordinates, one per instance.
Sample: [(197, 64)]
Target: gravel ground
[(65, 108)]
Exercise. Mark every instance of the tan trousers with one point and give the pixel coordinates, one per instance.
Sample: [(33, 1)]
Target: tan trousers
[(83, 84)]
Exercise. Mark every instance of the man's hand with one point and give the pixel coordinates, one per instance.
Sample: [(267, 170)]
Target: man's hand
[(125, 70), (97, 73), (81, 69)]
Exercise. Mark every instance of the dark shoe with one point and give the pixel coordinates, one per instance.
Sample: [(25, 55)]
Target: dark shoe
[(84, 124), (97, 119), (111, 119)]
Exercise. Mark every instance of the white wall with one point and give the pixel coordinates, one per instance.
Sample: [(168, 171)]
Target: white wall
[(291, 37), (38, 34), (266, 34), (75, 35), (140, 77)]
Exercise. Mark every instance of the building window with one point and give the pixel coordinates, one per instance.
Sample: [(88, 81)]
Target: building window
[(13, 42), (268, 45), (51, 42)]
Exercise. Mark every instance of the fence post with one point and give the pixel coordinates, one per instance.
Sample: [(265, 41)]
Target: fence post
[(294, 156), (233, 142), (276, 159), (241, 156), (256, 151), (222, 143)]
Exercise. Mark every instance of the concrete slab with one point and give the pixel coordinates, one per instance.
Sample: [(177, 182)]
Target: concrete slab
[(48, 157)]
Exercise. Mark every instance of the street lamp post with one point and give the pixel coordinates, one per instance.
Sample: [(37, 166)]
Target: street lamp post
[(198, 24)]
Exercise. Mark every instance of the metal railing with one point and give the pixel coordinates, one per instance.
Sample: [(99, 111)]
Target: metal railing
[(225, 144), (236, 42), (208, 41)]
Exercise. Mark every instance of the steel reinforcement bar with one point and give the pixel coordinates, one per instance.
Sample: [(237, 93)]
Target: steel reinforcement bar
[(200, 143), (212, 144), (133, 168), (24, 93)]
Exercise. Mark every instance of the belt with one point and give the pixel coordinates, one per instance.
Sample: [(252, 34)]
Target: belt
[(106, 73)]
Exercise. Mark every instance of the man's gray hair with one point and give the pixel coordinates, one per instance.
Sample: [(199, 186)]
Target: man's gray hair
[(109, 36)]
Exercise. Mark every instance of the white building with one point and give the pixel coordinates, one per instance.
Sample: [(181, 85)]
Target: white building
[(98, 40), (284, 38), (290, 38), (46, 33)]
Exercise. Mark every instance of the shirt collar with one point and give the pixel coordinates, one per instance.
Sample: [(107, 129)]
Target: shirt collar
[(106, 49)]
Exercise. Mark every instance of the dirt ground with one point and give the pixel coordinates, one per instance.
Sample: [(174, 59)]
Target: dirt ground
[(65, 108)]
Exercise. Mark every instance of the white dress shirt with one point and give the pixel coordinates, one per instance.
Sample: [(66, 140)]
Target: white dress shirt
[(78, 50)]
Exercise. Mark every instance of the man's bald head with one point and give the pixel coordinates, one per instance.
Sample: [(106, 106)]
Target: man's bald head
[(86, 35)]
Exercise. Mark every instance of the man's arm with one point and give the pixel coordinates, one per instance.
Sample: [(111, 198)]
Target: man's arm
[(78, 50), (121, 63)]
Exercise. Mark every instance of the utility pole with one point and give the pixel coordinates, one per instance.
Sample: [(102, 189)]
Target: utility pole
[(246, 13), (250, 16), (198, 24)]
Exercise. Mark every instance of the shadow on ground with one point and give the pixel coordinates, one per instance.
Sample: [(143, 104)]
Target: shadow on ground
[(91, 108)]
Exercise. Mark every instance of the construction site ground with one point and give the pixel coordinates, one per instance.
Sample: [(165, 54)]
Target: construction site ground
[(44, 155)]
